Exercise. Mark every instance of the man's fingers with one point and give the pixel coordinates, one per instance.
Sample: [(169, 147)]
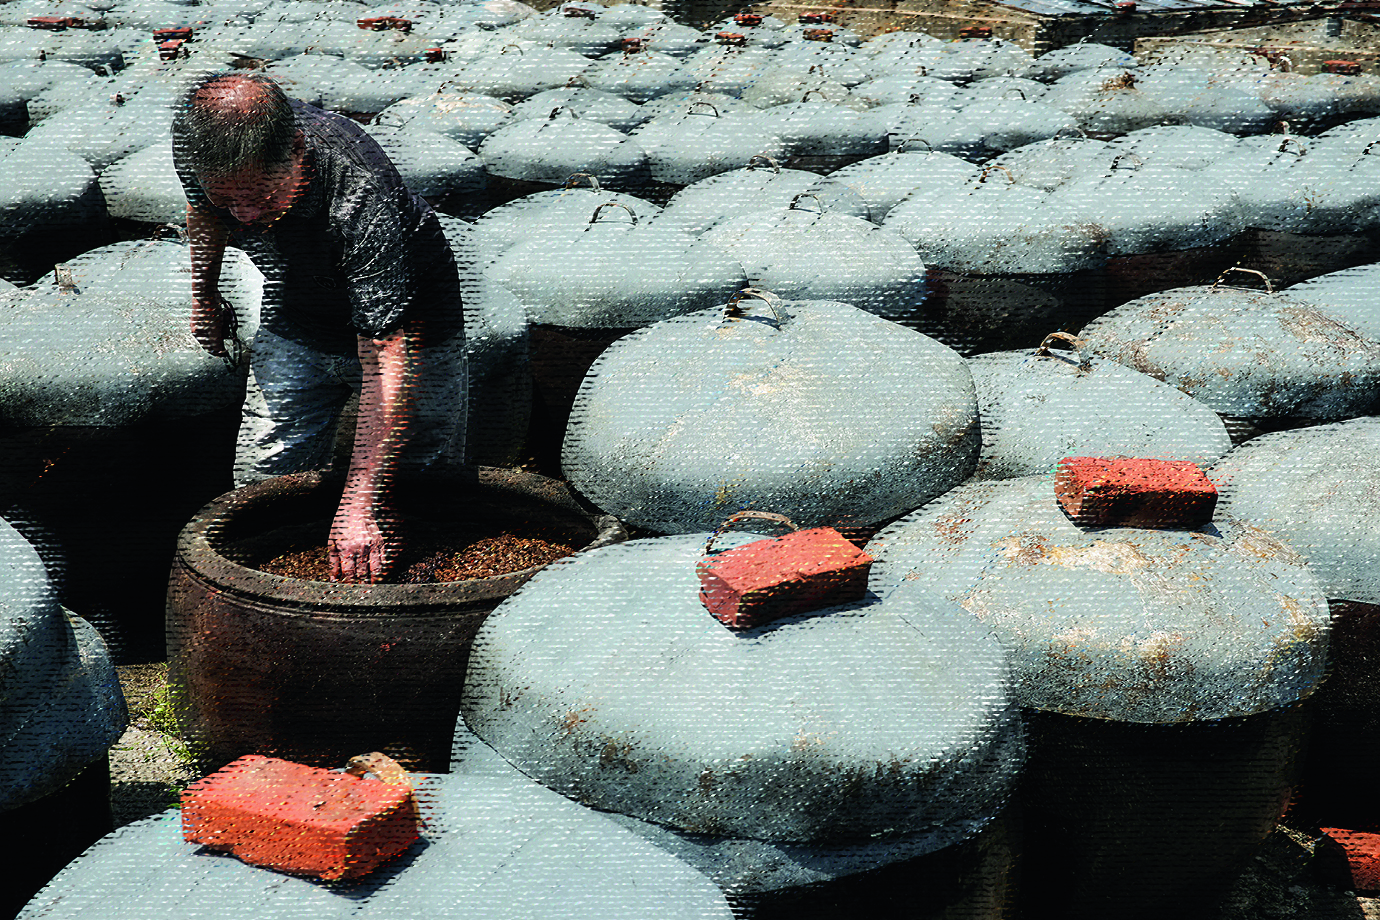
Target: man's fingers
[(209, 329), (377, 559), (366, 566)]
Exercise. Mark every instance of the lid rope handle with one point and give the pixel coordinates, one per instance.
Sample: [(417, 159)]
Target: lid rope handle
[(752, 160), (393, 119), (1116, 160), (1269, 288), (690, 110), (594, 218), (987, 171), (1075, 344), (1289, 139), (734, 310), (573, 181), (779, 519), (901, 147)]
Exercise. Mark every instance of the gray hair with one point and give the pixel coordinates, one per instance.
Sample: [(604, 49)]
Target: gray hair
[(223, 127)]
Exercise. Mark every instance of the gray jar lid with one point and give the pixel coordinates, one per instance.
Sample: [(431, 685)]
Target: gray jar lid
[(739, 865), (32, 631), (60, 702), (72, 712), (1249, 353), (1120, 623), (789, 407), (89, 358), (606, 679), (1039, 405), (1317, 489), (492, 848)]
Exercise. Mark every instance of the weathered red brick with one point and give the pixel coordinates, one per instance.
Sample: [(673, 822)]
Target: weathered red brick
[(1362, 855), (299, 819), (1345, 68), (1117, 491), (384, 23), (55, 23), (769, 579)]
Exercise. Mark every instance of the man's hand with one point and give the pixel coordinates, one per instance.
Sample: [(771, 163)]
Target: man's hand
[(211, 325), (210, 317), (363, 543), (363, 540)]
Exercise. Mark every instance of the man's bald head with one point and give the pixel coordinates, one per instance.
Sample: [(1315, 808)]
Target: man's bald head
[(235, 121)]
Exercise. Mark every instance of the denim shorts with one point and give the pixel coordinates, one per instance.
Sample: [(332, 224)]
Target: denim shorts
[(296, 394)]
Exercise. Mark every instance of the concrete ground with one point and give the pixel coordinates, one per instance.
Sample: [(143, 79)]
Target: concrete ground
[(146, 774)]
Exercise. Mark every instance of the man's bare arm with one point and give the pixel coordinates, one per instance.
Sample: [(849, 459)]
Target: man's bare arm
[(206, 237), (363, 545)]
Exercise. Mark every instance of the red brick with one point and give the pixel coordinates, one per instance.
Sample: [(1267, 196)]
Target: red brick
[(1112, 492), (298, 819), (769, 579), (1362, 855), (56, 23), (384, 23), (1345, 68)]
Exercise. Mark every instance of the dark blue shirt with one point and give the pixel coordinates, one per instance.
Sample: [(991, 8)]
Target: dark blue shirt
[(357, 254)]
